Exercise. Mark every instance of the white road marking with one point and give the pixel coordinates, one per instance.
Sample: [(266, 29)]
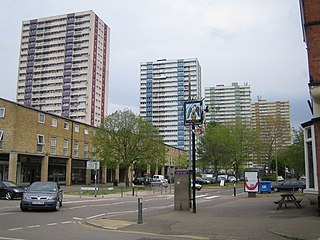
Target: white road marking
[(84, 206), (34, 226), (99, 215), (52, 224), (76, 218), (160, 207), (112, 213), (199, 196), (6, 238), (211, 197), (100, 205), (15, 229), (117, 203), (67, 222), (89, 200)]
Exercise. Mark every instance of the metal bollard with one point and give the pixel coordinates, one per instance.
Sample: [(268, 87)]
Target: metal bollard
[(140, 211)]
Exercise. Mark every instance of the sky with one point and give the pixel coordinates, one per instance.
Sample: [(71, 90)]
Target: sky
[(244, 41)]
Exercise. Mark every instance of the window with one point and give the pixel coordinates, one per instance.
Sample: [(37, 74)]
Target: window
[(54, 122), (86, 150), (309, 141), (86, 130), (41, 118), (76, 149), (65, 147), (1, 138), (40, 143), (66, 125), (2, 110), (76, 128), (53, 145)]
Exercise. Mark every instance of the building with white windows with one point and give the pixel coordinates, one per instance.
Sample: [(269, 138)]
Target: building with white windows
[(64, 66), (228, 103), (164, 86)]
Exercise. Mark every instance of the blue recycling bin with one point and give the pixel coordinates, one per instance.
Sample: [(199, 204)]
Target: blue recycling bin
[(265, 186)]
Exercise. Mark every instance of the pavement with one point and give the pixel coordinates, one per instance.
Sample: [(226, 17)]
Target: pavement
[(234, 217)]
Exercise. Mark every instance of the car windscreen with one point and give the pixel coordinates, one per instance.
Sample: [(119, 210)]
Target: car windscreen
[(9, 184), (43, 187)]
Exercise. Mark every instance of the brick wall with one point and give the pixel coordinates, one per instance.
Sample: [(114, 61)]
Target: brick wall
[(21, 127), (312, 29)]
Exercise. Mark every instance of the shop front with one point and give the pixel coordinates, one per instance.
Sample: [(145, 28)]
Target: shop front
[(30, 169)]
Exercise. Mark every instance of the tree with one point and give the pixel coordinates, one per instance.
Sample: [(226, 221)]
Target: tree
[(124, 139), (215, 146), (293, 156), (181, 161), (245, 143), (272, 130)]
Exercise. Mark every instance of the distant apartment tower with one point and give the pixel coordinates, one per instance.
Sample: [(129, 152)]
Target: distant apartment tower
[(272, 119), (228, 103), (64, 66), (164, 86)]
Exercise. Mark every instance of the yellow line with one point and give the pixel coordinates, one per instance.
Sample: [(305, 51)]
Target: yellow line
[(144, 233)]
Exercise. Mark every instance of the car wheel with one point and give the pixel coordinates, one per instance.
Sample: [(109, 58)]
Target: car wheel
[(57, 206), (276, 189), (23, 209), (9, 195)]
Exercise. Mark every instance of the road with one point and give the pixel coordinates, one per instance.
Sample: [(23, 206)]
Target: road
[(71, 221)]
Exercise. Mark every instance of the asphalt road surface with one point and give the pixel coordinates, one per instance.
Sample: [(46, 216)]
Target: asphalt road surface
[(71, 221)]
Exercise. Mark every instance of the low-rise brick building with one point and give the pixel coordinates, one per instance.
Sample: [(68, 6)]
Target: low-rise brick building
[(36, 145), (39, 146)]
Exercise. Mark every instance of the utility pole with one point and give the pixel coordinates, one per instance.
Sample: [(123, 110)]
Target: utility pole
[(194, 206)]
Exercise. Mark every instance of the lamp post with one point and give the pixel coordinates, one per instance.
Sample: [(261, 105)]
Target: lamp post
[(95, 177)]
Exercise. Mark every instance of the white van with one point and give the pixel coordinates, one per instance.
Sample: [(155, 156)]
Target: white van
[(159, 179)]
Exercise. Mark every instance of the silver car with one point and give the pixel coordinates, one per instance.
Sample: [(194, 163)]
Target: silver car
[(42, 195)]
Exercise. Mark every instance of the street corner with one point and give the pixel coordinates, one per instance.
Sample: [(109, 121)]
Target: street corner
[(109, 223)]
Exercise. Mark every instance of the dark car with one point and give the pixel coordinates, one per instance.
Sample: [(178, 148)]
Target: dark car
[(199, 180), (9, 190), (139, 181), (289, 185), (42, 195)]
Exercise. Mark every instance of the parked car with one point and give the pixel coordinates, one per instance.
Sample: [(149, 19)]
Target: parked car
[(232, 179), (289, 185), (139, 181), (42, 195), (197, 185), (10, 190), (210, 179), (199, 180)]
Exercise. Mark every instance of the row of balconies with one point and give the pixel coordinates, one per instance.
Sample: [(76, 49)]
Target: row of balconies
[(54, 27)]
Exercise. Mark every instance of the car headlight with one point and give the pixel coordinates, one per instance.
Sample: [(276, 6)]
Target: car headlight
[(27, 197), (51, 197)]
